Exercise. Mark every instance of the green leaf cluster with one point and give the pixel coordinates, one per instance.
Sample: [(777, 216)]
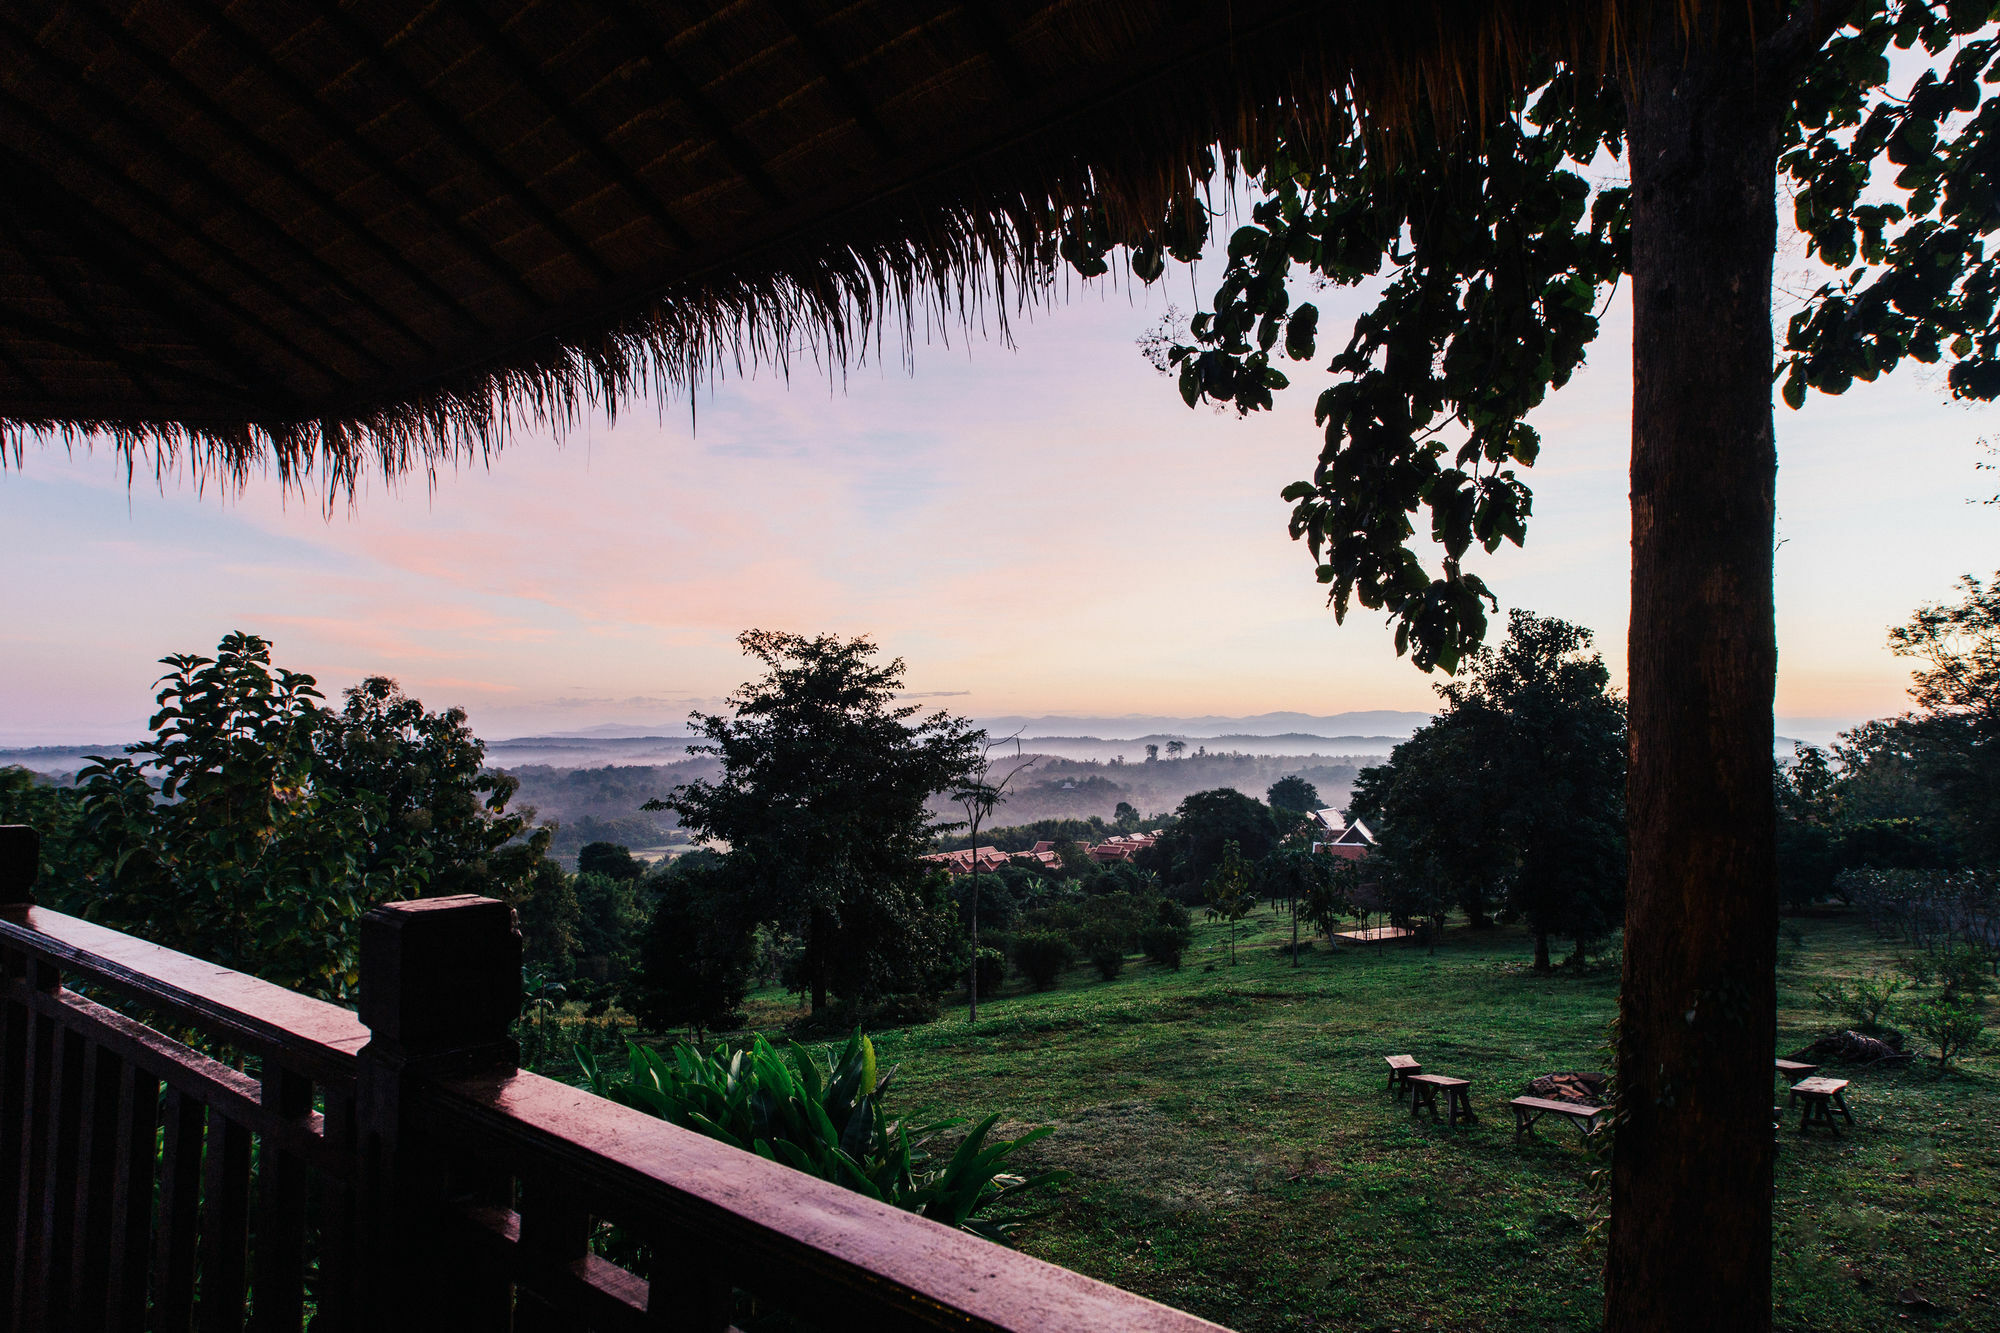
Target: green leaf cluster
[(829, 1120)]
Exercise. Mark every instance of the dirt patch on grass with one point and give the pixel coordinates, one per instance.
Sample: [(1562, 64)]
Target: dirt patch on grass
[(1140, 1150)]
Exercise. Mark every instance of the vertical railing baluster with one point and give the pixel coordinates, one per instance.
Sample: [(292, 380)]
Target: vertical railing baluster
[(20, 862), (555, 1230), (336, 1278), (37, 1114), (688, 1288), (277, 1280), (58, 1203), (225, 1224), (97, 1169), (174, 1250), (14, 1074), (132, 1200)]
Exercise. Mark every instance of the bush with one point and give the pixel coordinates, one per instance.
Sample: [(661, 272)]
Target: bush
[(1166, 945), (1953, 1026), (1863, 1001), (1041, 955), (991, 967), (827, 1121), (1105, 951), (1959, 971)]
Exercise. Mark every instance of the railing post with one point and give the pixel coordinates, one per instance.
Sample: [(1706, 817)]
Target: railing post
[(440, 989), (20, 862)]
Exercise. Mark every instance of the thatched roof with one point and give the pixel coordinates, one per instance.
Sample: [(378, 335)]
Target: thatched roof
[(344, 235)]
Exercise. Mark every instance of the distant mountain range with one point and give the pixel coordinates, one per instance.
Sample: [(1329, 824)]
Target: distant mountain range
[(1148, 726)]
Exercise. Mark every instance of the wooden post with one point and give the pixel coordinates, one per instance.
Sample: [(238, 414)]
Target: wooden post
[(440, 989), (20, 862)]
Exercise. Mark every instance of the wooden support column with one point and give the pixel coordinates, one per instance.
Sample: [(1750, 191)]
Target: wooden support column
[(440, 989)]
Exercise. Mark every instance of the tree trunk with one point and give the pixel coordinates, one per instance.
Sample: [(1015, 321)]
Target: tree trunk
[(1541, 949), (1690, 1243)]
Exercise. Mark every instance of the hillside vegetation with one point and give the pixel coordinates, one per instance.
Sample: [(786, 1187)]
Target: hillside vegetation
[(1235, 1152)]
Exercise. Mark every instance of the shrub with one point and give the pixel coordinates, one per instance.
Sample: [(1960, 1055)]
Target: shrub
[(1105, 951), (1953, 1026), (991, 967), (1959, 971), (1166, 944), (1863, 1001), (1041, 955), (827, 1122)]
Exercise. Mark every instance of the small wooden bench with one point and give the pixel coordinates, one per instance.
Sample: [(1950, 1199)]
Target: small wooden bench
[(1424, 1090), (1400, 1068), (1821, 1097), (1527, 1110), (1794, 1070)]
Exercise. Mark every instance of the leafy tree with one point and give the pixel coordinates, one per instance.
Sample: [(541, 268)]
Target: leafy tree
[(1170, 935), (1519, 784), (695, 956), (551, 919), (1187, 854), (1230, 892), (822, 804), (439, 822), (977, 794), (1041, 956), (1473, 215), (1152, 753), (239, 856), (1808, 856), (1294, 872), (1125, 817), (1436, 815), (1293, 793), (1175, 749), (1952, 740), (610, 860)]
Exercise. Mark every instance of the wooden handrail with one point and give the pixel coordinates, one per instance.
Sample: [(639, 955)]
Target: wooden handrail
[(834, 1249), (316, 1038), (452, 1187)]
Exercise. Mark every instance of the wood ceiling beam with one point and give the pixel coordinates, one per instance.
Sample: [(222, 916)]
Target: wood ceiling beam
[(646, 36), (77, 151), (846, 88), (281, 167), (330, 123), (376, 54), (198, 173), (586, 137)]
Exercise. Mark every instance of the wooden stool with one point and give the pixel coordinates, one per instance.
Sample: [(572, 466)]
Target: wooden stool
[(1400, 1068), (1424, 1089), (1822, 1097), (1793, 1070)]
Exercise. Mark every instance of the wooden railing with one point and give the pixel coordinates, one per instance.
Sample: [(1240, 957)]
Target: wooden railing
[(393, 1169)]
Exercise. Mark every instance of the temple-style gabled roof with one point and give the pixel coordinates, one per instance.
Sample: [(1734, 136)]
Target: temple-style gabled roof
[(346, 234)]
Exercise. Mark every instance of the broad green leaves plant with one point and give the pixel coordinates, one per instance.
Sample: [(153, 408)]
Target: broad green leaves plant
[(829, 1121)]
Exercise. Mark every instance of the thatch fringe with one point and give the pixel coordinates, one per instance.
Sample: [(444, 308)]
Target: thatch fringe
[(968, 240)]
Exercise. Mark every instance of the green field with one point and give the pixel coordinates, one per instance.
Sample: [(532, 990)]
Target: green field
[(1235, 1153)]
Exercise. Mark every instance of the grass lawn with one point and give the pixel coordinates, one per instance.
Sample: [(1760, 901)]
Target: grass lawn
[(1235, 1153)]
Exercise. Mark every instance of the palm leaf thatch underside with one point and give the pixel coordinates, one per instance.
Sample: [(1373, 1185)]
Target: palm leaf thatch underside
[(332, 238)]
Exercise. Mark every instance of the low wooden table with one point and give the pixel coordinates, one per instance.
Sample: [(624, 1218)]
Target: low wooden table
[(1400, 1069), (1795, 1070), (1527, 1110), (1821, 1097), (1424, 1089)]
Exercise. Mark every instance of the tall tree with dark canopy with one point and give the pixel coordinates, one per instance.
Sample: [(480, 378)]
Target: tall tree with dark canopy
[(821, 804), (1188, 853), (1293, 793), (1497, 252)]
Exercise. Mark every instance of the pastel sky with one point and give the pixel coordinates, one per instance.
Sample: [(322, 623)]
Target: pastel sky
[(1041, 528)]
